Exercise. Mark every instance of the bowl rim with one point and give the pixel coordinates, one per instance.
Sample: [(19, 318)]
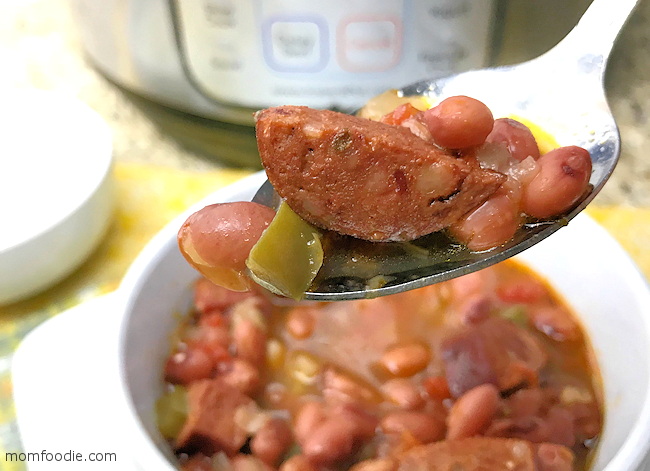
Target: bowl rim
[(102, 155), (629, 456)]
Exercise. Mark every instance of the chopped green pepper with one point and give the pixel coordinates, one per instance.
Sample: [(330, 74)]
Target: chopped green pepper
[(288, 256), (171, 412)]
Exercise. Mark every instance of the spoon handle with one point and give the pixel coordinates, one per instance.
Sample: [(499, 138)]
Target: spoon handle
[(592, 39)]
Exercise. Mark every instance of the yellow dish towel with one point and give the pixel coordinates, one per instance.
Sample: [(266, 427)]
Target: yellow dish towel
[(148, 198)]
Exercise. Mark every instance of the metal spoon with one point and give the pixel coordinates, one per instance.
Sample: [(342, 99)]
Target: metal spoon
[(562, 92)]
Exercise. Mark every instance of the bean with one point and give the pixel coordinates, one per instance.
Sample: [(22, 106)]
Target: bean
[(474, 309), (331, 441), (310, 415), (406, 360), (198, 462), (552, 457), (490, 225), (189, 365), (300, 323), (217, 239), (211, 298), (555, 322), (459, 122), (248, 463), (212, 339), (423, 426), (378, 464), (241, 375), (250, 342), (340, 387), (297, 463), (437, 388), (272, 441), (403, 392), (516, 136), (473, 412), (562, 179)]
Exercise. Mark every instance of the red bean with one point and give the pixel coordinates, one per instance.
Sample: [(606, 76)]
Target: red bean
[(248, 463), (213, 340), (339, 387), (490, 225), (423, 426), (555, 321), (310, 415), (403, 392), (333, 440), (459, 122), (240, 374), (297, 463), (250, 342), (189, 365), (516, 136), (437, 388), (473, 412), (562, 179), (406, 360), (552, 457), (272, 441), (211, 298), (217, 240), (378, 464)]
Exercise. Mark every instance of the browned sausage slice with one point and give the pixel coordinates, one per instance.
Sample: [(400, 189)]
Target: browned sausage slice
[(366, 179), (211, 426), (486, 454)]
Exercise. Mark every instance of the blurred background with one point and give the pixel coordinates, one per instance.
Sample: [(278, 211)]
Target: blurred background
[(177, 83)]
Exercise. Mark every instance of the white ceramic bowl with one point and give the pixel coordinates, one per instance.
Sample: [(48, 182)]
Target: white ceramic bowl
[(56, 195), (582, 261)]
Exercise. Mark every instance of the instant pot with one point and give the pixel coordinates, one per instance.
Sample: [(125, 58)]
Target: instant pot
[(202, 67)]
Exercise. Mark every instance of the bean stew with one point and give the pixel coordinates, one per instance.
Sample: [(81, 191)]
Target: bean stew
[(489, 371)]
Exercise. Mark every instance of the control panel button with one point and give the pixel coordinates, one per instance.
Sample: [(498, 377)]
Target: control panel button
[(295, 44), (369, 44)]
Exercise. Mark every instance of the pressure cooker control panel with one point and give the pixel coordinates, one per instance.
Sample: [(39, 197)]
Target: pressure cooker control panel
[(338, 53)]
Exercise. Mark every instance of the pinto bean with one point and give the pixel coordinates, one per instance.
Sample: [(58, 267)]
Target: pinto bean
[(562, 179), (240, 374), (490, 225), (248, 463), (341, 387), (310, 415), (406, 360), (189, 365), (378, 464), (474, 309), (459, 122), (423, 426), (516, 136), (552, 457), (403, 392), (272, 441), (555, 322), (472, 413), (333, 440), (250, 342), (297, 463), (217, 239)]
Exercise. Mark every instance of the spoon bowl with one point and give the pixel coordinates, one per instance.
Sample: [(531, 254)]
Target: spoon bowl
[(561, 91)]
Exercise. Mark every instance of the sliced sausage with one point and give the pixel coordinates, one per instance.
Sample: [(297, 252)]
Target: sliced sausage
[(211, 426), (366, 179)]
